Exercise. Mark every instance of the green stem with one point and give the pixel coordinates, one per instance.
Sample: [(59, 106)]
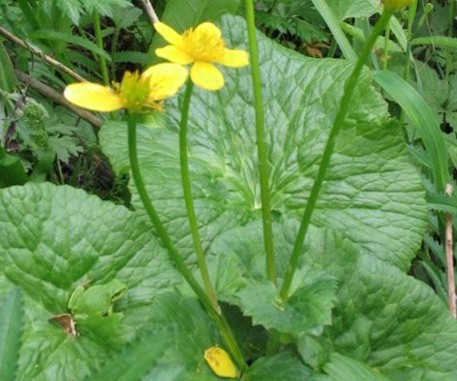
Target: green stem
[(409, 32), (449, 52), (99, 39), (324, 164), (187, 190), (386, 48), (114, 44), (180, 265), (261, 146)]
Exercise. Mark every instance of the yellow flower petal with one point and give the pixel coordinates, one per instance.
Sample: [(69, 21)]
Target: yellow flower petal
[(206, 75), (168, 34), (234, 58), (165, 79), (220, 362), (173, 54), (93, 96), (208, 29)]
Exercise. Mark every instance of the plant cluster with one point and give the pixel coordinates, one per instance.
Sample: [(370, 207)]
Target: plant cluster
[(265, 209)]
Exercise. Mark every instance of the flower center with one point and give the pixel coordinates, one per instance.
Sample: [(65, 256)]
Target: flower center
[(136, 92), (203, 46)]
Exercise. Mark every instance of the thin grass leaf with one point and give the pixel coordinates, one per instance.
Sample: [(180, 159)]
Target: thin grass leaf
[(423, 119), (398, 32), (334, 25), (7, 75), (443, 41)]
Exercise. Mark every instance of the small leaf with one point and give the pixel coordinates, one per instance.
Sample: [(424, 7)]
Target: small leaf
[(307, 310), (11, 170)]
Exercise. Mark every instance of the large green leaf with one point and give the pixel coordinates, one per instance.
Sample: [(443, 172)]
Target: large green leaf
[(10, 333), (372, 193), (285, 366), (53, 239), (342, 368), (173, 348), (383, 317)]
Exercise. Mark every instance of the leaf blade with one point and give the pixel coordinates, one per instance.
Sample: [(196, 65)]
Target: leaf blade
[(11, 323)]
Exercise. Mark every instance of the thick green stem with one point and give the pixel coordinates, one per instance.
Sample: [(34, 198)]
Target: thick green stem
[(180, 265), (99, 38), (328, 150), (261, 146), (187, 190)]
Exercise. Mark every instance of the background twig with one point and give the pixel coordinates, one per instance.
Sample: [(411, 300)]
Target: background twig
[(150, 11), (450, 259), (10, 36), (57, 97)]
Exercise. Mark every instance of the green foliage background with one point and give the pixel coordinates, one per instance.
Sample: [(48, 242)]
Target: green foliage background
[(353, 314)]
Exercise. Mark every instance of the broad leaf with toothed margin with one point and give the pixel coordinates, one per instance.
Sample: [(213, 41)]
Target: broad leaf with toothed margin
[(372, 193)]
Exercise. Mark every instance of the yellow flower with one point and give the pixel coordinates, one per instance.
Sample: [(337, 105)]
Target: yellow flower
[(200, 47), (220, 362), (136, 92), (396, 5)]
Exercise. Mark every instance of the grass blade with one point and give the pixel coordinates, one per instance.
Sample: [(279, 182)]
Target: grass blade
[(423, 119)]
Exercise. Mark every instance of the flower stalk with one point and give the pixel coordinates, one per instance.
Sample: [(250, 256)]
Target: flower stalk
[(187, 190), (215, 313), (328, 150), (262, 153)]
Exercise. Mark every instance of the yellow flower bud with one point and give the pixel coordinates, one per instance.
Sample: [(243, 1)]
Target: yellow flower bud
[(396, 5), (220, 362)]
